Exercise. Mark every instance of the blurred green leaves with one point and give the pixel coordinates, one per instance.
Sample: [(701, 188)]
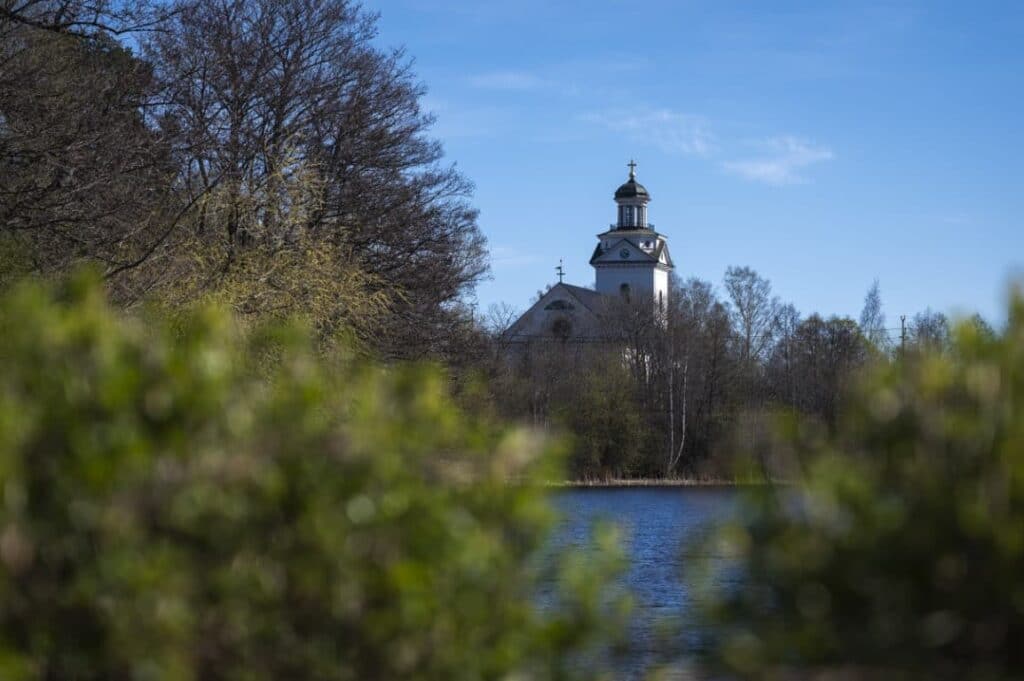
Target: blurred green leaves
[(182, 500), (901, 553)]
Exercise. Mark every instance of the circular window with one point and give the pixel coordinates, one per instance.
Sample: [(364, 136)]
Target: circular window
[(562, 328), (624, 253)]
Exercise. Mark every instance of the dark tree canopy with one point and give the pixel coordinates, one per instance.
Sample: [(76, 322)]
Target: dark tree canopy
[(820, 357), (263, 152), (287, 120), (81, 174), (83, 18)]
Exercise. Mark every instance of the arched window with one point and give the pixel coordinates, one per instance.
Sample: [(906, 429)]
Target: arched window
[(624, 291)]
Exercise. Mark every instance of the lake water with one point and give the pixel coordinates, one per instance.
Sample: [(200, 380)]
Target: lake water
[(657, 523)]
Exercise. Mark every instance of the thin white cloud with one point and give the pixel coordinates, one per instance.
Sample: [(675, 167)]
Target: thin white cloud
[(668, 130), (782, 161), (509, 256), (459, 122), (508, 80)]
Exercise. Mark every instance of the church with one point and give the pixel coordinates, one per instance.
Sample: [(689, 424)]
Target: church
[(631, 267)]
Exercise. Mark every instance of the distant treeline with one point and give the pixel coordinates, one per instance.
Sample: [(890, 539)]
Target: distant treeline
[(691, 393)]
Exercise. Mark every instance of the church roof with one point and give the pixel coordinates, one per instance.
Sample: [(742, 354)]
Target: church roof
[(663, 248), (632, 189), (590, 298)]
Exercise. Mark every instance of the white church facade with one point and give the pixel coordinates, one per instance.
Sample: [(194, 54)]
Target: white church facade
[(631, 263)]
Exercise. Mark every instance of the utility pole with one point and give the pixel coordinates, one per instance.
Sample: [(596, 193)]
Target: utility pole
[(903, 334)]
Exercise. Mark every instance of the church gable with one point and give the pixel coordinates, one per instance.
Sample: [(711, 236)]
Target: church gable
[(621, 251), (562, 313)]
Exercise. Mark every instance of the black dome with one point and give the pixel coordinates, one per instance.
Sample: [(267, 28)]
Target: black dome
[(631, 190)]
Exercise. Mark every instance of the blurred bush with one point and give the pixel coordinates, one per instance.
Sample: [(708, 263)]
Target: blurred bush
[(901, 554), (182, 501)]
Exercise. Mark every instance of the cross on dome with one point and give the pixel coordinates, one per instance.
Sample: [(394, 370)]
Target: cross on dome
[(632, 190)]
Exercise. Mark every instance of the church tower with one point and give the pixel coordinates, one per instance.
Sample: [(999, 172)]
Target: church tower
[(631, 259)]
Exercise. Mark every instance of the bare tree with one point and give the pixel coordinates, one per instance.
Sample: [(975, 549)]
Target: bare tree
[(930, 330), (700, 366), (500, 317), (84, 18), (872, 319), (637, 327), (257, 91), (675, 453), (781, 364), (754, 310)]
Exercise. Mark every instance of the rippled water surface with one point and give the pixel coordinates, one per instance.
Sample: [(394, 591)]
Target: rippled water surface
[(657, 523)]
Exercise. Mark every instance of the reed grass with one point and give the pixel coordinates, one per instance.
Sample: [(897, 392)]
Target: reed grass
[(666, 482)]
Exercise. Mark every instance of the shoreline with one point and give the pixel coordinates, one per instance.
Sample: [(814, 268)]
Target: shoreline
[(661, 482)]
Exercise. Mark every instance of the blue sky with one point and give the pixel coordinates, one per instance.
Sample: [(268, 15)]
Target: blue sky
[(823, 144)]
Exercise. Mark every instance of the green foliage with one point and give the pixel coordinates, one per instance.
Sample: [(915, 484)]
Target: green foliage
[(167, 511), (605, 422), (902, 553), (14, 261), (277, 280)]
